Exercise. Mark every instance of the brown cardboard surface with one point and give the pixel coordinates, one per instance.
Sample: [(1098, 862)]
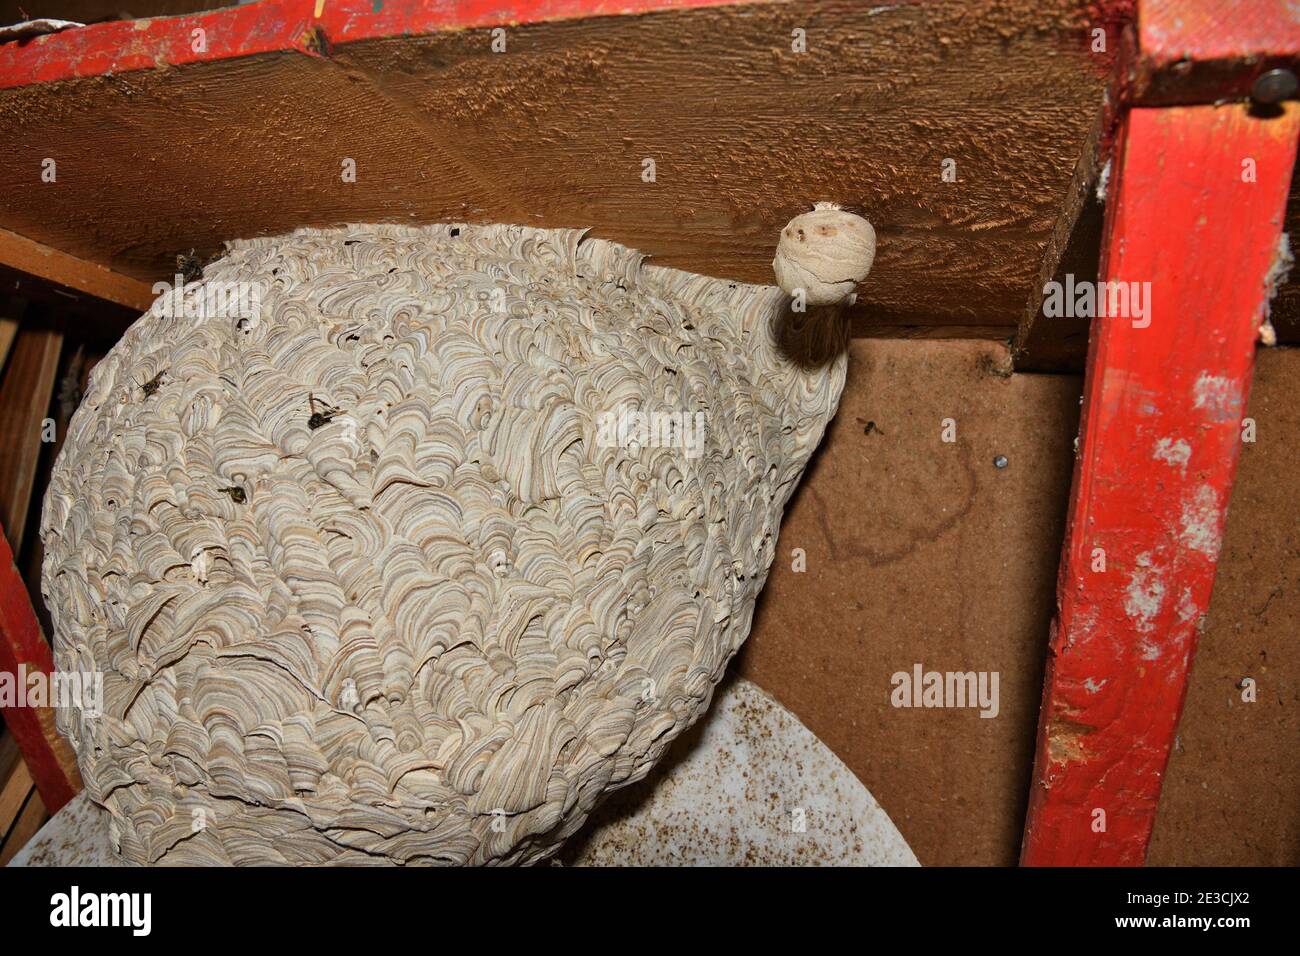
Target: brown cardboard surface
[(924, 552), (1232, 789), (921, 551)]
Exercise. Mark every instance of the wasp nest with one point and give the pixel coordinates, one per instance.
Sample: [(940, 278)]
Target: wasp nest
[(823, 255), (383, 564)]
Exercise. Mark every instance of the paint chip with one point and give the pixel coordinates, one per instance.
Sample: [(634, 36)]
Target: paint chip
[(1219, 395), (1145, 596), (1173, 452), (1200, 522)]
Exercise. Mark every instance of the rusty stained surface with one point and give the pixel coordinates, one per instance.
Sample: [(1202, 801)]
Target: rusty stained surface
[(744, 133)]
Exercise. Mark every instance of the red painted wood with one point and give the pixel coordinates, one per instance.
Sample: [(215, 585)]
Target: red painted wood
[(1201, 51), (1170, 30), (282, 25), (21, 643), (1160, 435)]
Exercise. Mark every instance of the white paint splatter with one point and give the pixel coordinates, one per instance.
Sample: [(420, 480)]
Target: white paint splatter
[(1082, 626), (1103, 181), (1173, 452), (1145, 596), (1219, 395), (1092, 686), (1200, 522), (1187, 609)]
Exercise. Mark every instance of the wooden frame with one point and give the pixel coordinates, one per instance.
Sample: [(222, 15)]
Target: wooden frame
[(312, 27), (1161, 429), (963, 163)]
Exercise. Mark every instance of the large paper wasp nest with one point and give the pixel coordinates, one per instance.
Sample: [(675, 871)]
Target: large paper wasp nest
[(420, 548)]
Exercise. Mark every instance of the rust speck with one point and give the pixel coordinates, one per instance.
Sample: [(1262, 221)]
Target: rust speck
[(1065, 741)]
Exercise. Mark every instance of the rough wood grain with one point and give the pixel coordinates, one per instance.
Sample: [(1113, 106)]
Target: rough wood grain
[(33, 258), (25, 392), (15, 782), (8, 332), (25, 826), (1060, 343), (553, 132)]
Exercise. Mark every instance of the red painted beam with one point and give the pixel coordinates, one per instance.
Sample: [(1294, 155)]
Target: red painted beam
[(1160, 433), (1201, 51), (312, 27), (23, 650)]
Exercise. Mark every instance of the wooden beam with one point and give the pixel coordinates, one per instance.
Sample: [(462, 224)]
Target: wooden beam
[(9, 328), (953, 125), (30, 819), (1059, 343), (25, 393), (34, 258), (1163, 402), (146, 44), (94, 318), (1206, 51), (15, 782), (24, 651)]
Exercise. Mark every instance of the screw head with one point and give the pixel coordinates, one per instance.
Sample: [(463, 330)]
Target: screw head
[(1274, 86), (1000, 461)]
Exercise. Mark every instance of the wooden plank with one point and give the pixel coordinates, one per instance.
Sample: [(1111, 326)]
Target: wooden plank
[(30, 820), (91, 316), (744, 133), (25, 394), (23, 651), (1059, 343), (869, 330), (34, 258), (125, 46), (1160, 433), (8, 332), (11, 310), (15, 784)]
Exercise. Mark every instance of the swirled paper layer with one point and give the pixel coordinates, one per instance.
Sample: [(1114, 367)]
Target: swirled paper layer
[(367, 578)]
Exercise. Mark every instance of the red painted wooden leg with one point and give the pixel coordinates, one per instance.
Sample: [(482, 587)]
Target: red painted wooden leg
[(23, 650), (1195, 210)]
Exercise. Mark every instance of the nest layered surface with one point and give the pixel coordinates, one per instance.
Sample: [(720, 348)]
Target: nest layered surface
[(364, 577)]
